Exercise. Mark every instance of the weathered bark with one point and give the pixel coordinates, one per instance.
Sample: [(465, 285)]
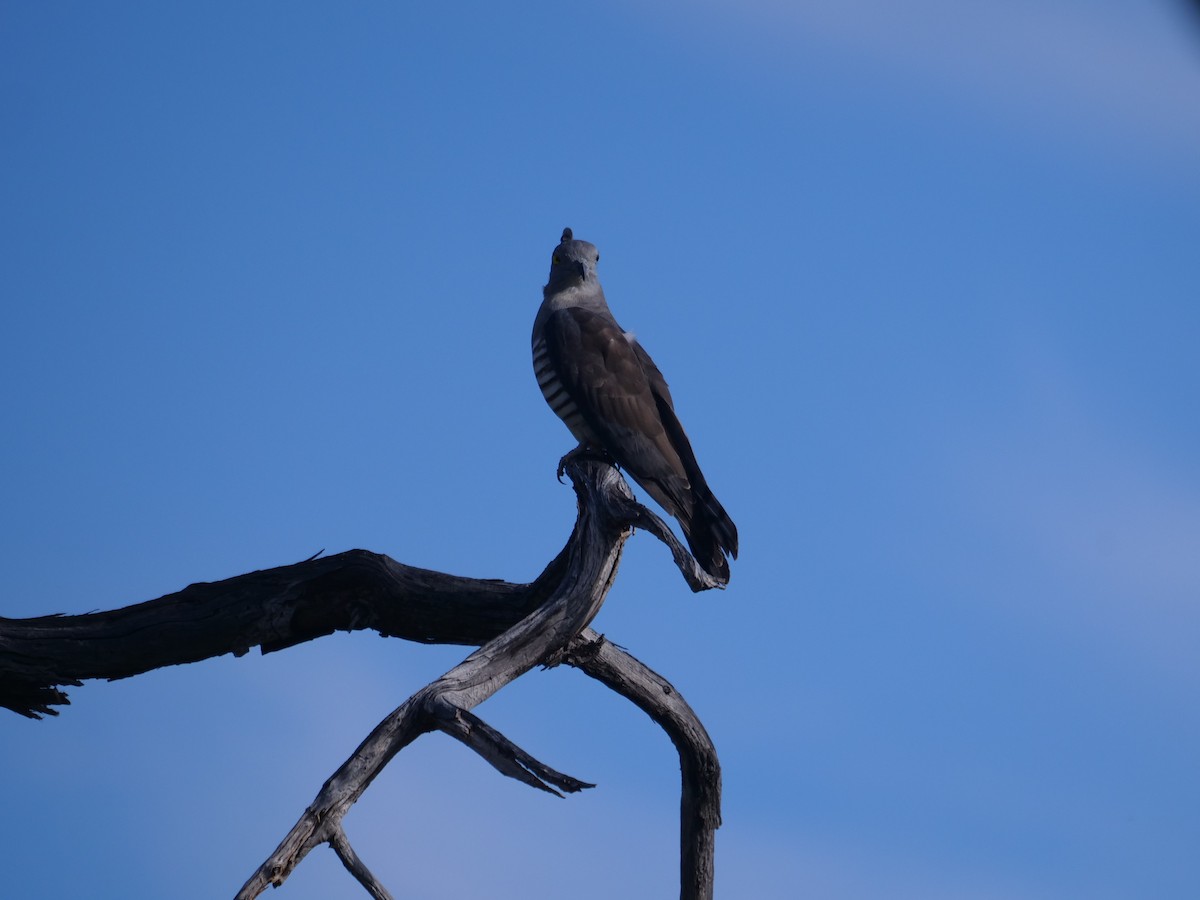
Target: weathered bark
[(272, 609), (700, 799), (517, 626)]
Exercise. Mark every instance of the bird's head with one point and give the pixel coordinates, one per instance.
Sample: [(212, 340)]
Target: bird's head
[(573, 263)]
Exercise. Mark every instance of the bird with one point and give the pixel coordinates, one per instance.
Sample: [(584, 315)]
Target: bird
[(607, 390)]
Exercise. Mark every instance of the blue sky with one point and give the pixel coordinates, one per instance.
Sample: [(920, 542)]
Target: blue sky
[(925, 285)]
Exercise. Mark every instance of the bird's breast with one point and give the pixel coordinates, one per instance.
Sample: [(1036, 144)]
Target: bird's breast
[(556, 395)]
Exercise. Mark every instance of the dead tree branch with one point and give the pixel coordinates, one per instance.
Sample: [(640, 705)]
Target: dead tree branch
[(700, 799), (515, 626)]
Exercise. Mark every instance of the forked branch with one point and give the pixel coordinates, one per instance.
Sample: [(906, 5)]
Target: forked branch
[(592, 557), (516, 627)]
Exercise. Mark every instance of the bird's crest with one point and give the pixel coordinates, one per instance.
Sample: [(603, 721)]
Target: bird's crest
[(568, 235)]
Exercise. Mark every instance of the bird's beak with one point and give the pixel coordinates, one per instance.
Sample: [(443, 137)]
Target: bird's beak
[(581, 269)]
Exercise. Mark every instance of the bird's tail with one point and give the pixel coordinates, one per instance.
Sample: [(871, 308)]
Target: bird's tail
[(710, 533)]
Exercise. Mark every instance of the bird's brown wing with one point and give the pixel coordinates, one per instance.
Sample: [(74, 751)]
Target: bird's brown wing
[(600, 370), (710, 530)]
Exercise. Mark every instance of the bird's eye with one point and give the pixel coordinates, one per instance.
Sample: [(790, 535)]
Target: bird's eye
[(597, 257), (554, 259)]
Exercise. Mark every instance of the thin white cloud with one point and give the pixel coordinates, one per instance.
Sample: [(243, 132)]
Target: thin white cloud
[(1126, 74)]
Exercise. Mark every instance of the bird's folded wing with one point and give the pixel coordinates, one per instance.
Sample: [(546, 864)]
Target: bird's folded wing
[(601, 371)]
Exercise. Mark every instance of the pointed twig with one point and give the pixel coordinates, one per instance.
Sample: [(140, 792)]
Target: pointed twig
[(505, 756), (697, 579)]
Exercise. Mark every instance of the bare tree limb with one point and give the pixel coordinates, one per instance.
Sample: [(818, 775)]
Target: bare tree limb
[(697, 579), (515, 626), (595, 551), (700, 800), (272, 609), (341, 846)]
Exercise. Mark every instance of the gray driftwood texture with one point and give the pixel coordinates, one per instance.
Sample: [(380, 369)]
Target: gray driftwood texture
[(515, 626)]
